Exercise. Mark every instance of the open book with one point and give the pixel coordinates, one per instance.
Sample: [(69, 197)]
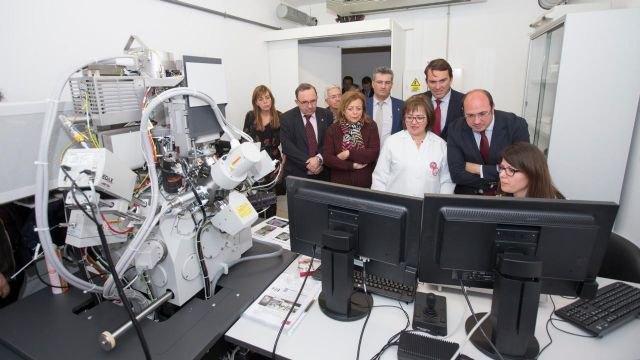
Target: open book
[(273, 304)]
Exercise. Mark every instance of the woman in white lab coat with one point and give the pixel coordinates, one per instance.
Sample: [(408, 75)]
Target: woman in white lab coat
[(414, 161)]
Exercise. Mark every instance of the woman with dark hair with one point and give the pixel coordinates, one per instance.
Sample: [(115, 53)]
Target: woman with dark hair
[(524, 172), (414, 161), (352, 143), (263, 125)]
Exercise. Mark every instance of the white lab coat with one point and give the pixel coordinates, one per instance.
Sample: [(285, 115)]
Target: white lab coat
[(403, 168)]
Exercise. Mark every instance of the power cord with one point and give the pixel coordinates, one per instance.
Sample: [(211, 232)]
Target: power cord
[(35, 266), (546, 327), (369, 306), (475, 317), (473, 330), (201, 260), (394, 340), (550, 321), (111, 265), (284, 322), (120, 288)]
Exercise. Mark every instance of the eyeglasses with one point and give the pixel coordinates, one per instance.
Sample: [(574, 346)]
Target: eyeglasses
[(480, 115), (307, 103), (418, 119), (507, 170)]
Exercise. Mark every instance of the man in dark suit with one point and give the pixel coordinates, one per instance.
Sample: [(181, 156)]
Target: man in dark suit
[(475, 143), (384, 109), (302, 132), (446, 102)]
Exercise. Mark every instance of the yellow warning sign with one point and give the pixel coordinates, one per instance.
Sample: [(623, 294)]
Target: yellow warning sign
[(243, 210), (415, 85)]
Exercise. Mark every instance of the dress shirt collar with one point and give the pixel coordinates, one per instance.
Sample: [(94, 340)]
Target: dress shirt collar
[(489, 128), (386, 101), (304, 119), (443, 101)]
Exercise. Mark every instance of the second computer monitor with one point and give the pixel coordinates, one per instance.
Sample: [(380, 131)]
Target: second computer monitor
[(381, 228), (518, 247)]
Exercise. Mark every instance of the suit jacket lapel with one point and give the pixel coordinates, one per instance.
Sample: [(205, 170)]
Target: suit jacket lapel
[(322, 123), (498, 138)]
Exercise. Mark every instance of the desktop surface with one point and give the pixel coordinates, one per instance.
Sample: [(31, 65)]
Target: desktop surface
[(42, 326), (319, 337)]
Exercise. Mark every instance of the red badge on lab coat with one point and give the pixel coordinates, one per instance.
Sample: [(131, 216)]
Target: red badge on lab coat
[(434, 168)]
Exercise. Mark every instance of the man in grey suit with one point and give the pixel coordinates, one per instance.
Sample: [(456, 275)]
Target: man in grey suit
[(302, 132), (383, 108), (446, 102), (475, 143)]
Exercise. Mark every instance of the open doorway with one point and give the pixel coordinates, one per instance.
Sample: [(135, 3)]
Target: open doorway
[(317, 55), (361, 62)]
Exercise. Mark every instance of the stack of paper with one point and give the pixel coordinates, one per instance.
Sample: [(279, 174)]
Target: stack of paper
[(274, 230), (272, 306)]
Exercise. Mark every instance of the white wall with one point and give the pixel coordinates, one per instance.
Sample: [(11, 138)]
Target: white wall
[(312, 58), (44, 40), (627, 224), (489, 41)]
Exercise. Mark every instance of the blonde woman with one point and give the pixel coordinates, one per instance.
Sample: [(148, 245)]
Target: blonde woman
[(352, 143)]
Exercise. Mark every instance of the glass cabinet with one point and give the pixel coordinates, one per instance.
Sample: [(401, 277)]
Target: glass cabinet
[(581, 99), (543, 67)]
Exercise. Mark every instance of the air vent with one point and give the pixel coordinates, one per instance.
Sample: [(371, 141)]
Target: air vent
[(507, 216)]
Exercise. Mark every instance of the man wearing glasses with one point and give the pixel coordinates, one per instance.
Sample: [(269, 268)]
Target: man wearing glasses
[(384, 109), (474, 145), (332, 97), (302, 132)]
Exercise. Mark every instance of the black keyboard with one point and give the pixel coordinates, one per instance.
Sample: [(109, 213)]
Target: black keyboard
[(613, 306), (385, 287)]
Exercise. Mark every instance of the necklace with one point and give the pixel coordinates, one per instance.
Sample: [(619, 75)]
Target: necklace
[(418, 141)]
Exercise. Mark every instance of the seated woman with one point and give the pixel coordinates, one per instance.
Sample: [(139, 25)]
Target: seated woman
[(414, 161), (524, 173), (263, 125), (352, 143)]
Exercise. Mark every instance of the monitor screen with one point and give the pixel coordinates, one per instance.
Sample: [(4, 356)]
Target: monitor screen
[(383, 228), (518, 247), (206, 75), (461, 236), (22, 128)]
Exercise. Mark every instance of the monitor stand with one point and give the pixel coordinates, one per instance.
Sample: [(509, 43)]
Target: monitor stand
[(338, 300), (514, 309)]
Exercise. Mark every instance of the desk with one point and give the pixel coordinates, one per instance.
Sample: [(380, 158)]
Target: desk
[(319, 337), (42, 326)]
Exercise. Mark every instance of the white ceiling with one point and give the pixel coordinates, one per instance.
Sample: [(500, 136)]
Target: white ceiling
[(297, 3)]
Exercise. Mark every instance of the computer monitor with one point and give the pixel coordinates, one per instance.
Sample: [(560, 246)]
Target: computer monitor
[(207, 75), (344, 222), (518, 247), (21, 124)]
